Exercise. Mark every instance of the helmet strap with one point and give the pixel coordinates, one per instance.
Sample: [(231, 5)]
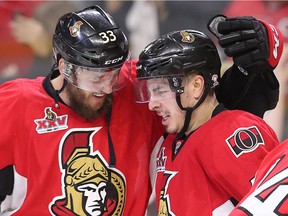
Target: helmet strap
[(189, 111), (55, 93)]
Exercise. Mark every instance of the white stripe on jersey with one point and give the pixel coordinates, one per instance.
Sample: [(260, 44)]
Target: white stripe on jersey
[(13, 202)]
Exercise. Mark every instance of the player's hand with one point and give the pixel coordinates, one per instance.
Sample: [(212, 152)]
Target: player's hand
[(248, 40)]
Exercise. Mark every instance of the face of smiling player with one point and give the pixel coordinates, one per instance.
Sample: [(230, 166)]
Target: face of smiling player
[(88, 105), (88, 93)]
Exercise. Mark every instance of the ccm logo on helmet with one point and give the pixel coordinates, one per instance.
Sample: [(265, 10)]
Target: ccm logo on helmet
[(113, 61), (244, 140)]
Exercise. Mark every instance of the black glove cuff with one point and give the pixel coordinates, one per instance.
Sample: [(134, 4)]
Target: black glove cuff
[(238, 90)]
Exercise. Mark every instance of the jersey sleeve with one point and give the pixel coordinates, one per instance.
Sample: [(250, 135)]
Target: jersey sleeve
[(238, 151), (10, 107)]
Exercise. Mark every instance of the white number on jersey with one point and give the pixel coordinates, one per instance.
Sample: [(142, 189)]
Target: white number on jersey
[(270, 197)]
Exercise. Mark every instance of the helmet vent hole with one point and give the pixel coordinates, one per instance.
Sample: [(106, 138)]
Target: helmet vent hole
[(165, 62), (93, 61), (161, 46), (160, 64)]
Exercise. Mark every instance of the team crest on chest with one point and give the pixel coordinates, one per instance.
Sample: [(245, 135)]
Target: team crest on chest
[(51, 122), (166, 176), (89, 186), (164, 202)]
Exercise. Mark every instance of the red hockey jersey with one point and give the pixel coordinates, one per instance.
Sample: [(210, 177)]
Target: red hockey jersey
[(61, 162), (269, 193), (214, 165)]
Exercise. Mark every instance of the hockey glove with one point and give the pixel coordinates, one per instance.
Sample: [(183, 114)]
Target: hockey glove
[(248, 40), (256, 48)]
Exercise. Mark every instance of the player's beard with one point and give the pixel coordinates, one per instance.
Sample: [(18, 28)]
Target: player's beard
[(77, 103)]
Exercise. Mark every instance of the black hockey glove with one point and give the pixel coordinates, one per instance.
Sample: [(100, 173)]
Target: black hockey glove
[(256, 47), (247, 40)]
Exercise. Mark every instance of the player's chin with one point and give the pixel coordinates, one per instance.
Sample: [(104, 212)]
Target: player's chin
[(101, 103), (169, 129), (97, 104)]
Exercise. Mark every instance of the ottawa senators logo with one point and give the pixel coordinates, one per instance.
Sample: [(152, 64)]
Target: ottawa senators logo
[(164, 202), (51, 122), (75, 29), (187, 37), (245, 140), (90, 187)]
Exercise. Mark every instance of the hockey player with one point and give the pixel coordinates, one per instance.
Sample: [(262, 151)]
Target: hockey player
[(76, 140), (268, 195), (204, 167)]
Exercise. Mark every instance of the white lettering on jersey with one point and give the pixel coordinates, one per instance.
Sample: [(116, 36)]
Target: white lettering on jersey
[(13, 202), (268, 197)]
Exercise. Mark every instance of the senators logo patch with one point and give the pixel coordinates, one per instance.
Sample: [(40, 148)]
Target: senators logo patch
[(89, 185), (51, 122), (245, 140), (75, 29), (187, 37)]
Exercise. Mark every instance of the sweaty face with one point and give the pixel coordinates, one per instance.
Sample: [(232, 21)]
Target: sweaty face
[(163, 101), (88, 105)]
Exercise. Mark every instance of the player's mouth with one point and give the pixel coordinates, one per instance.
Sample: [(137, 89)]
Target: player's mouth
[(99, 95), (165, 117)]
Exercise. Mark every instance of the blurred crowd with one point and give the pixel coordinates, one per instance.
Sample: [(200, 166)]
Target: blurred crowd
[(27, 28)]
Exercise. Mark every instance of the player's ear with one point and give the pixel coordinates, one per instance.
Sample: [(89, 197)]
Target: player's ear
[(61, 65), (198, 86)]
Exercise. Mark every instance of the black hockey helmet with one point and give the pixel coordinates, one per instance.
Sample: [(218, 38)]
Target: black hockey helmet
[(176, 55), (164, 63), (90, 39), (179, 53)]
